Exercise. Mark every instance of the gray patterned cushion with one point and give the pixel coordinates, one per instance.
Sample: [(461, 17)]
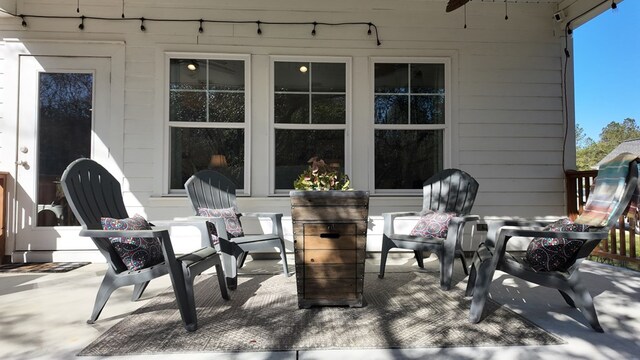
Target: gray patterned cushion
[(231, 221), (136, 253), (553, 254), (433, 225)]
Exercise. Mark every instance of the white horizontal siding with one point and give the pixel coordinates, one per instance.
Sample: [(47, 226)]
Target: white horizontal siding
[(507, 122)]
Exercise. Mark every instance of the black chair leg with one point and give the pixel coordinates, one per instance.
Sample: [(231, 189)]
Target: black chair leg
[(386, 246), (138, 289)]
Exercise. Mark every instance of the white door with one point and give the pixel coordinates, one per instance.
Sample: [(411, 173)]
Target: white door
[(63, 115)]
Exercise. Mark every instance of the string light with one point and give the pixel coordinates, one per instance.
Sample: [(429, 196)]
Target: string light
[(465, 15), (371, 27), (78, 7), (506, 14), (614, 5)]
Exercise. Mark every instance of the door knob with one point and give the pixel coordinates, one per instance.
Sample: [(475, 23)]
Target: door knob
[(23, 164)]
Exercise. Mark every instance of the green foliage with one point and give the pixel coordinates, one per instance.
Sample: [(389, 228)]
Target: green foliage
[(589, 152), (320, 176)]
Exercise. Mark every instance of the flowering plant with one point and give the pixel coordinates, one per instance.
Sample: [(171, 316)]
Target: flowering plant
[(320, 176)]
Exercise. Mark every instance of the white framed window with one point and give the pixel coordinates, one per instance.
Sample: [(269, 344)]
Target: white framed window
[(411, 117), (208, 117), (310, 116)]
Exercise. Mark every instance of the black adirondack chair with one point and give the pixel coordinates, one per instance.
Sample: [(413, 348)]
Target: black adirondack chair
[(92, 193), (451, 190), (492, 255), (211, 190)]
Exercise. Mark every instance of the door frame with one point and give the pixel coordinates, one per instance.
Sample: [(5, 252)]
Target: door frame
[(12, 51)]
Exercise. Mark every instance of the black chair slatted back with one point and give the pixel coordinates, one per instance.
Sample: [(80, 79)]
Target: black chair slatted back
[(450, 190), (212, 190)]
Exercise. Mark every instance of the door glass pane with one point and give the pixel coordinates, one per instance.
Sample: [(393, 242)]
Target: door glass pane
[(65, 102)]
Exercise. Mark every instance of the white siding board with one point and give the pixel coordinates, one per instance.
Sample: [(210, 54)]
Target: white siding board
[(136, 126), (483, 62), (511, 89), (135, 184), (139, 97), (139, 156), (512, 76), (512, 130), (511, 102), (504, 144), (514, 171), (142, 83), (531, 117), (138, 141), (522, 157), (516, 185), (486, 198)]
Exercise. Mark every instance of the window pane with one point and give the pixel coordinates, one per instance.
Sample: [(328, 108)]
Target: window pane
[(294, 148), (328, 77), (328, 109), (404, 159), (226, 107), (64, 134), (391, 78), (427, 109), (195, 149), (187, 74), (226, 75), (290, 77), (187, 106), (291, 108), (427, 78), (392, 109)]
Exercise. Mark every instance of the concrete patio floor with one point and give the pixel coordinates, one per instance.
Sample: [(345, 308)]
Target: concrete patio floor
[(43, 316)]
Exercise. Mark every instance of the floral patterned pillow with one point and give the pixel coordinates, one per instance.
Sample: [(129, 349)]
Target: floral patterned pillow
[(231, 221), (136, 253), (553, 254), (433, 225)]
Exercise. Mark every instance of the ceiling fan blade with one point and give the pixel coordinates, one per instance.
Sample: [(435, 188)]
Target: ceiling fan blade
[(454, 4)]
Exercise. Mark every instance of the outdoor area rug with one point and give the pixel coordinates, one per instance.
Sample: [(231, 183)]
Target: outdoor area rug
[(403, 310), (50, 267)]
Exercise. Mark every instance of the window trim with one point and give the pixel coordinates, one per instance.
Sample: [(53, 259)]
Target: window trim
[(446, 127), (167, 125), (273, 126)]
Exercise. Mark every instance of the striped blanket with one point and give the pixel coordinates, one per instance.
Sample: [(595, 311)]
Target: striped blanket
[(608, 192)]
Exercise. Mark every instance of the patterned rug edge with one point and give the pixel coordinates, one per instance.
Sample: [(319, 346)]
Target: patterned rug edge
[(49, 267), (555, 339)]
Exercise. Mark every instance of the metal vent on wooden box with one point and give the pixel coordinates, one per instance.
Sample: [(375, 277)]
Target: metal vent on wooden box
[(330, 232)]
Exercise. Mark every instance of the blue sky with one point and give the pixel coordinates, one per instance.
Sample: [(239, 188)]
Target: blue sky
[(607, 68)]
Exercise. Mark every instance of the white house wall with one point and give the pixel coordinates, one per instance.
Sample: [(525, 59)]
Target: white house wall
[(507, 107)]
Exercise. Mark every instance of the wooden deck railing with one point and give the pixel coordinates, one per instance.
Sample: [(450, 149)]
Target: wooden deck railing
[(621, 244)]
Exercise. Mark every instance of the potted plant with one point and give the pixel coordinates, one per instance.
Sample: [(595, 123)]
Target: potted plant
[(330, 231), (321, 176)]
